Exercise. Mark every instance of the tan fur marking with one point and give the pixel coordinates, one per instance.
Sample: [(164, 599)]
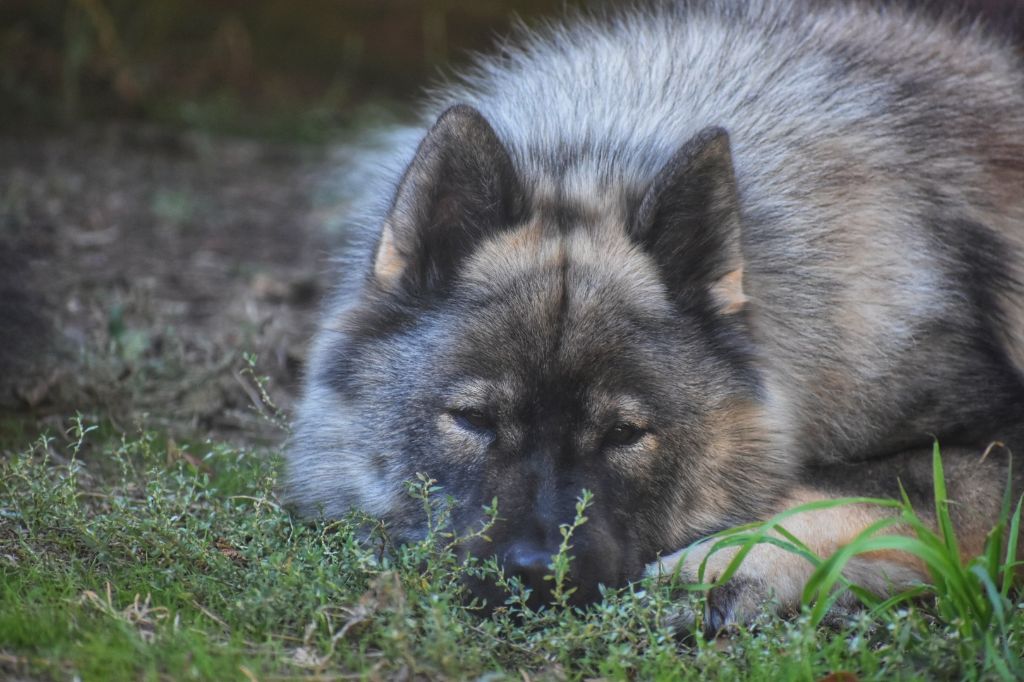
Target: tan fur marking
[(827, 530), (528, 237), (505, 256), (784, 574), (733, 427), (638, 459), (728, 292), (388, 265), (896, 558), (736, 433)]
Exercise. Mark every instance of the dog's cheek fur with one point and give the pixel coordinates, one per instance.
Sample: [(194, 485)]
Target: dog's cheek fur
[(361, 428)]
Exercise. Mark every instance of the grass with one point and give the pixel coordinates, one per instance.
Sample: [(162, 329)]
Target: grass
[(131, 556)]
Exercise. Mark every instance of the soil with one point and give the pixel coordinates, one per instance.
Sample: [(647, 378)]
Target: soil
[(139, 266)]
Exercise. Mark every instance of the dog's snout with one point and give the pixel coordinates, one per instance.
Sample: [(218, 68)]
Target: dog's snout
[(528, 562)]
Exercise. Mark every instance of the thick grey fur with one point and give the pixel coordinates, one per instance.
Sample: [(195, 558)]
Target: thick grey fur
[(879, 180)]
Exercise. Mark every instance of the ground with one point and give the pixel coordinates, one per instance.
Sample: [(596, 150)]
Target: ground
[(157, 292), (143, 263)]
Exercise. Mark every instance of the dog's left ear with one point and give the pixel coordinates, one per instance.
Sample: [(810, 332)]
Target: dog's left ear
[(689, 221)]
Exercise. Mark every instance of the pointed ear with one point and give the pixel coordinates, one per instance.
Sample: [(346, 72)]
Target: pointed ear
[(460, 187), (689, 221)]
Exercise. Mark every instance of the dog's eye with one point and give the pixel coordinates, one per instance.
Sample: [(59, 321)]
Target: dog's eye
[(623, 434), (473, 420)]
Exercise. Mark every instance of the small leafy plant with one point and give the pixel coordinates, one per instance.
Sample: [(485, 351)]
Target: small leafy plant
[(560, 562), (135, 556)]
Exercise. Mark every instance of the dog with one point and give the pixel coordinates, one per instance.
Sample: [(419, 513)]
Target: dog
[(708, 261)]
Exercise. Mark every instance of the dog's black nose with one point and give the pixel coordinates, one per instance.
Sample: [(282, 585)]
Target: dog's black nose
[(530, 564)]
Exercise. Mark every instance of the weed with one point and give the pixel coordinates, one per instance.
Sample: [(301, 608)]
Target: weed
[(126, 556)]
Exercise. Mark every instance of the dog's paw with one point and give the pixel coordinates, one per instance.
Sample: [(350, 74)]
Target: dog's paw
[(767, 582), (737, 602)]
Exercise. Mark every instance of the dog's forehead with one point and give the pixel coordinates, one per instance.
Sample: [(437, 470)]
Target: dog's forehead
[(560, 301), (577, 269)]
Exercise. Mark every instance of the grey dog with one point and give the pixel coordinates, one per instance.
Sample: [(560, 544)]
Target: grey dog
[(708, 260)]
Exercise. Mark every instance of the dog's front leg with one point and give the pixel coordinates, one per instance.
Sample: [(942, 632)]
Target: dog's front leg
[(771, 577)]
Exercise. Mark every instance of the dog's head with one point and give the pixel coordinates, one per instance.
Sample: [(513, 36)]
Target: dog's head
[(515, 342)]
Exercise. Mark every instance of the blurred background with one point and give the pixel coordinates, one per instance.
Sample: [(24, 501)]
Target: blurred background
[(167, 179), (278, 68)]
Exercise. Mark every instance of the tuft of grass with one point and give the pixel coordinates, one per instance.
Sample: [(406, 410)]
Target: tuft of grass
[(973, 599), (131, 555)]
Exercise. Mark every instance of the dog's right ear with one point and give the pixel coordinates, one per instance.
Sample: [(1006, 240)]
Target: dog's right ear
[(460, 187)]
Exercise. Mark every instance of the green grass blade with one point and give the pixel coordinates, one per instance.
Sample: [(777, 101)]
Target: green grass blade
[(881, 607), (1010, 563), (995, 599), (993, 549), (942, 517)]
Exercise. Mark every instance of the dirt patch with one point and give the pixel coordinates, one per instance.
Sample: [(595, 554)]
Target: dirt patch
[(138, 266)]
